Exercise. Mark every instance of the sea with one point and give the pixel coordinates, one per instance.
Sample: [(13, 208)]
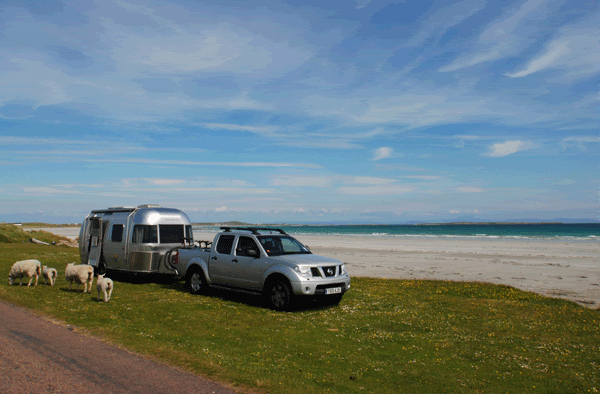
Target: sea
[(575, 231)]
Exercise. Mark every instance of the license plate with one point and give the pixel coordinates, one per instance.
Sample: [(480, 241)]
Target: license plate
[(333, 290)]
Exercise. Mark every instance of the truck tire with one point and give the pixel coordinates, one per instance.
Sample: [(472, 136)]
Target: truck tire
[(278, 294), (195, 281)]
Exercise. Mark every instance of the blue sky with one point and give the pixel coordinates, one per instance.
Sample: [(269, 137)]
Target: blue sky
[(265, 111)]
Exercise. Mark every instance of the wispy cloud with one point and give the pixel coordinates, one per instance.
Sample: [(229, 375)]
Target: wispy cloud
[(502, 38), (376, 189), (367, 180), (383, 153), (547, 59), (301, 181), (508, 148), (467, 189)]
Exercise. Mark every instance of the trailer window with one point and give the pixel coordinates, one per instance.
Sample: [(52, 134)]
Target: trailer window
[(171, 233), (117, 233), (144, 234)]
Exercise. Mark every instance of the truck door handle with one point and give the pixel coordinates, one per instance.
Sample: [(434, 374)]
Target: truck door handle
[(214, 257), (235, 260)]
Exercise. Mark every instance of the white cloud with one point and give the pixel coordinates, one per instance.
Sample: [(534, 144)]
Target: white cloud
[(383, 153), (547, 59), (301, 181), (469, 189), (508, 148), (165, 182), (221, 209), (453, 211), (367, 180), (378, 190), (576, 51), (235, 127), (504, 37)]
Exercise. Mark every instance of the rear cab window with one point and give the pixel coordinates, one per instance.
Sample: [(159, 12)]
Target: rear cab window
[(225, 244)]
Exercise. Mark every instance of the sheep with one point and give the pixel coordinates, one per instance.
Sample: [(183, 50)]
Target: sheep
[(81, 273), (28, 268), (103, 285), (49, 275)]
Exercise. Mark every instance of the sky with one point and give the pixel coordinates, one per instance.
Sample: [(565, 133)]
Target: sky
[(301, 111)]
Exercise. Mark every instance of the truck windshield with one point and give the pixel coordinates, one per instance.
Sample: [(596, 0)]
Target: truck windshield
[(277, 246)]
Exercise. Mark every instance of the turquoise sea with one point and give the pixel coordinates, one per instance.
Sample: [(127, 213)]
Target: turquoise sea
[(588, 231)]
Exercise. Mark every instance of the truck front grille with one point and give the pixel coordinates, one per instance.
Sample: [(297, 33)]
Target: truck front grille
[(329, 271)]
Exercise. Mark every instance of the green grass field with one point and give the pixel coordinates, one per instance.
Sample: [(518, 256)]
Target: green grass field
[(386, 336)]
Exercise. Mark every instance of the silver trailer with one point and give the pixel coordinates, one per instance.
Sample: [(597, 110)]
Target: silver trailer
[(133, 240)]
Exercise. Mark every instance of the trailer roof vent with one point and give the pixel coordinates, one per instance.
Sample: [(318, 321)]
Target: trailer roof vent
[(149, 206)]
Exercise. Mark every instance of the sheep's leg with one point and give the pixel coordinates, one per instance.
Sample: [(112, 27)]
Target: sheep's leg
[(36, 280), (30, 279), (109, 293)]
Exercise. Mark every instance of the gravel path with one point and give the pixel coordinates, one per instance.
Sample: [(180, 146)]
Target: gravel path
[(37, 356)]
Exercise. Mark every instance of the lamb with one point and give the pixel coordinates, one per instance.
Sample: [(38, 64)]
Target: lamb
[(49, 274), (103, 285), (25, 268), (81, 273)]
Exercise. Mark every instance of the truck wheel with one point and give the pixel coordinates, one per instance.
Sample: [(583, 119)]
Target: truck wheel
[(195, 281), (279, 295)]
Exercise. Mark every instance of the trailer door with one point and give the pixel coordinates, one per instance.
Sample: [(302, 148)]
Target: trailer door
[(96, 234)]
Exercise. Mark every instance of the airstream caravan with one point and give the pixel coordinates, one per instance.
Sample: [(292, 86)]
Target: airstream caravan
[(133, 240)]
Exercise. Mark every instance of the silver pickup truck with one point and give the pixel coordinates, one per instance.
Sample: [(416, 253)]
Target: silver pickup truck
[(265, 261)]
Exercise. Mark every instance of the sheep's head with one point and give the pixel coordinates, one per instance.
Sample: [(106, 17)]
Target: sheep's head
[(11, 280), (100, 277)]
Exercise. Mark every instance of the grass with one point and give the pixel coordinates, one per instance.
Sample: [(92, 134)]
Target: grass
[(386, 336), (9, 233)]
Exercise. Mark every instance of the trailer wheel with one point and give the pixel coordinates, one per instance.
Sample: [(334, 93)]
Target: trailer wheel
[(278, 294), (195, 281)]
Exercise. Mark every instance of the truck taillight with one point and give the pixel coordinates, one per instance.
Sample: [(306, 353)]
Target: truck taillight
[(176, 258)]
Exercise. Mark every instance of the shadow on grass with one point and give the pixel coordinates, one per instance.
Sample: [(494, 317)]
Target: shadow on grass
[(252, 299), (141, 278)]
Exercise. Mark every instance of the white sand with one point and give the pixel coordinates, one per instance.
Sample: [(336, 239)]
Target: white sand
[(568, 269)]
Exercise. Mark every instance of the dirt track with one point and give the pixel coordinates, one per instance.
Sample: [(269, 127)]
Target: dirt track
[(37, 356)]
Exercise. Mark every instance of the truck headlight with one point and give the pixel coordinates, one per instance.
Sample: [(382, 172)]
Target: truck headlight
[(303, 270), (343, 269)]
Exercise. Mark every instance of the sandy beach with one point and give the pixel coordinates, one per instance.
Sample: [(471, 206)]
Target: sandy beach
[(568, 269)]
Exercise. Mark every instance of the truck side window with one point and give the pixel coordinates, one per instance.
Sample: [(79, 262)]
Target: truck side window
[(117, 233), (244, 245), (144, 234), (224, 244)]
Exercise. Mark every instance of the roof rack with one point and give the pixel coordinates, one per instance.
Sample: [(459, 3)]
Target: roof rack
[(254, 230)]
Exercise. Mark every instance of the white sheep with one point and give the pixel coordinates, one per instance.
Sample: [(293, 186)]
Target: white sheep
[(49, 274), (104, 285), (25, 268), (81, 273)]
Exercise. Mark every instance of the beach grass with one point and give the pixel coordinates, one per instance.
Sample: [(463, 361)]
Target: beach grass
[(386, 336)]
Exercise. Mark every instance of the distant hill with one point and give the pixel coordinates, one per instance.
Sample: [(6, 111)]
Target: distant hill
[(219, 224)]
